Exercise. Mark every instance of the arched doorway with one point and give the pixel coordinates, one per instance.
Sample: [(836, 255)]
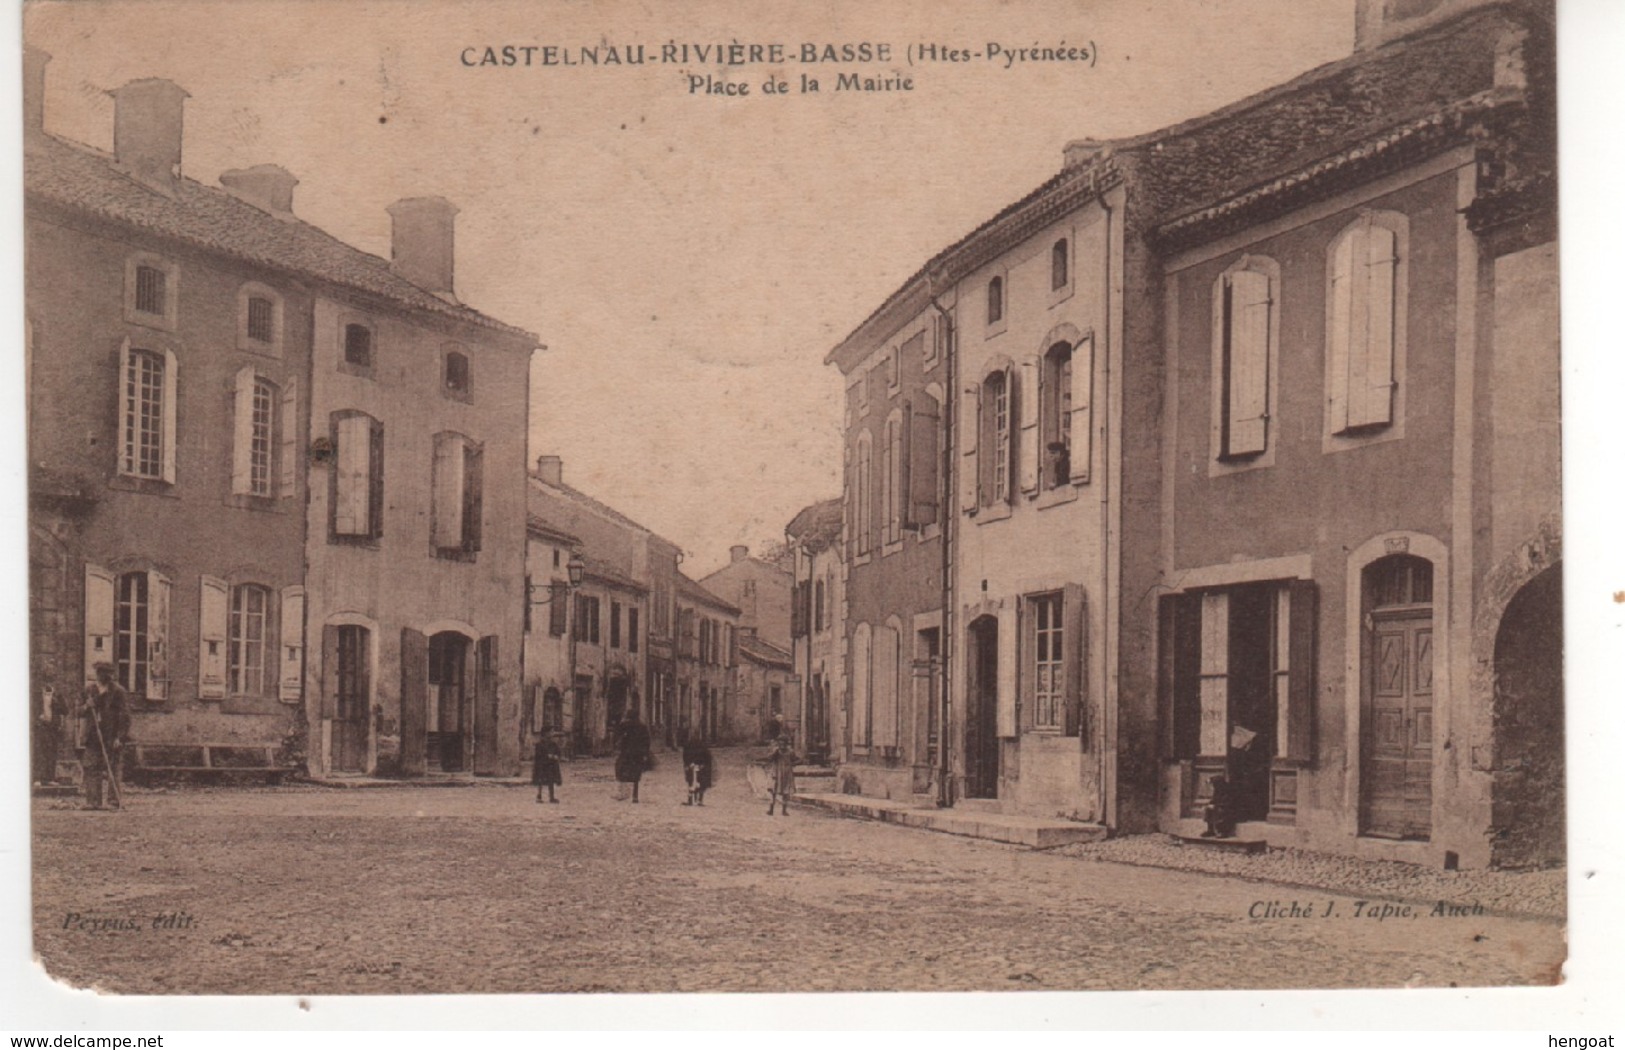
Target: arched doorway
[(1397, 696), (1528, 715), (982, 708)]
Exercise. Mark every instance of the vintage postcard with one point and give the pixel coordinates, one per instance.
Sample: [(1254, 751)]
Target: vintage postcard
[(548, 497)]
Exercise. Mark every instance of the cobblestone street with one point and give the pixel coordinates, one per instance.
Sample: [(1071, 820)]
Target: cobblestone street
[(306, 890)]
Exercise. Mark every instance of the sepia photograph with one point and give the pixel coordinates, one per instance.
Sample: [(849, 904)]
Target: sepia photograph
[(531, 498)]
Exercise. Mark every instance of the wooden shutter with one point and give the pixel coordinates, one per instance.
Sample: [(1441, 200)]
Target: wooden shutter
[(1080, 421), (558, 608), (1247, 359), (330, 671), (448, 491), (1180, 658), (1214, 693), (1026, 445), (1027, 672), (291, 686), (1006, 705), (98, 619), (171, 435), (970, 423), (1075, 659), (1372, 403), (158, 594), (1343, 301), (862, 668), (126, 422), (351, 466), (884, 687), (486, 701), (288, 449), (374, 490), (414, 701), (1012, 438), (473, 496), (213, 600), (242, 432), (1295, 664)]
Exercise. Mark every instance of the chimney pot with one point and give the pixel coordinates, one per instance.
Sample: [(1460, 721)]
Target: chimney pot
[(738, 552), (147, 125), (268, 187), (550, 469), (1079, 152), (421, 242), (34, 63)]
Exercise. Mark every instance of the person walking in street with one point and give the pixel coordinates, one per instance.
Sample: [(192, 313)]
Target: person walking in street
[(107, 708), (633, 756), (781, 769), (545, 772), (697, 769)]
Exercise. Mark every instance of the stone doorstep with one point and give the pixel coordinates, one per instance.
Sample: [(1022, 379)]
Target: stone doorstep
[(1035, 832), (1229, 845)]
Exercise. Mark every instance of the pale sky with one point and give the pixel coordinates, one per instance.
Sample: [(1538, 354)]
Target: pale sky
[(687, 260)]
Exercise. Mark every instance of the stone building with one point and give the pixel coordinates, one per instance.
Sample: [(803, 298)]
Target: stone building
[(816, 619), (217, 388), (1254, 465), (761, 591), (706, 697)]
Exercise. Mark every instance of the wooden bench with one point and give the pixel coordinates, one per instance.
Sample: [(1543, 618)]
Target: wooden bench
[(208, 759)]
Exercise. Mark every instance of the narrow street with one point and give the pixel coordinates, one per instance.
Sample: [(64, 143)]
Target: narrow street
[(306, 890)]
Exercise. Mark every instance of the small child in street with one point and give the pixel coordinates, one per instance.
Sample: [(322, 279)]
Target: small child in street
[(697, 767), (781, 769), (545, 773)]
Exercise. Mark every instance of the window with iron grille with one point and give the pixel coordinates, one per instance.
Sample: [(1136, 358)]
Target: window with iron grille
[(246, 638), (150, 290), (261, 323), (143, 439), (131, 609)]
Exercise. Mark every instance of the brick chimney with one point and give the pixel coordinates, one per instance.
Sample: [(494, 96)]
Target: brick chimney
[(550, 469), (34, 63), (738, 553), (268, 187), (1378, 21), (147, 130), (1081, 152), (421, 242)]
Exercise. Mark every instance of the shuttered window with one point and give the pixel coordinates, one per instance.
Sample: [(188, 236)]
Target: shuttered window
[(247, 634), (357, 492), (1245, 319)]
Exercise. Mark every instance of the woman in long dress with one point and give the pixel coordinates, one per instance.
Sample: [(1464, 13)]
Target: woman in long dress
[(633, 756)]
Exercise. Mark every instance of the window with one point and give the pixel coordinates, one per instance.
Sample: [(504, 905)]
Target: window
[(587, 626), (632, 629), (894, 369), (1052, 680), (558, 608), (1055, 417), (149, 291), (145, 407), (1048, 688), (891, 472), (261, 329), (357, 490), (997, 458), (863, 495), (1244, 325), (458, 495), (995, 300), (818, 605), (458, 380), (1058, 266), (247, 631), (614, 625), (705, 641), (127, 624), (556, 557), (1365, 324), (264, 441), (358, 345), (150, 296), (130, 614)]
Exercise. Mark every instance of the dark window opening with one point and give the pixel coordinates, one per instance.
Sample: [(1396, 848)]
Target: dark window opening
[(358, 345), (261, 326), (150, 290)]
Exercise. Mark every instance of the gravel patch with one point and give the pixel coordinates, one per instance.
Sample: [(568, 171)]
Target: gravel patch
[(1518, 894)]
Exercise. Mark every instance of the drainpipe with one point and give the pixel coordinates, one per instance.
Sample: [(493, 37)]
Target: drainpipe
[(947, 515), (1108, 790)]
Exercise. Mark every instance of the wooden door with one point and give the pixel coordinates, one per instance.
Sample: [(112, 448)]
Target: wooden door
[(414, 701), (982, 712), (1399, 751), (486, 715), (351, 658)]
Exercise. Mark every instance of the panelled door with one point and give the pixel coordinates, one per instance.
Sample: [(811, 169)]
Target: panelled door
[(1399, 766)]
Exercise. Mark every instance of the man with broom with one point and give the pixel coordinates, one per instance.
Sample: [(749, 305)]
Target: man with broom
[(107, 709)]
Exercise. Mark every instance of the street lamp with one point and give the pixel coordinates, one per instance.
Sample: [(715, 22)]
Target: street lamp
[(574, 569)]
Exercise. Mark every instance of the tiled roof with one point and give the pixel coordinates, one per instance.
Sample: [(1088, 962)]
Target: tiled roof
[(688, 588), (539, 527), (601, 508), (604, 572), (817, 527), (77, 177)]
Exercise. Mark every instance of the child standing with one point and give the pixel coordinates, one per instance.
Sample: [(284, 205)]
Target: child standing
[(781, 769)]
